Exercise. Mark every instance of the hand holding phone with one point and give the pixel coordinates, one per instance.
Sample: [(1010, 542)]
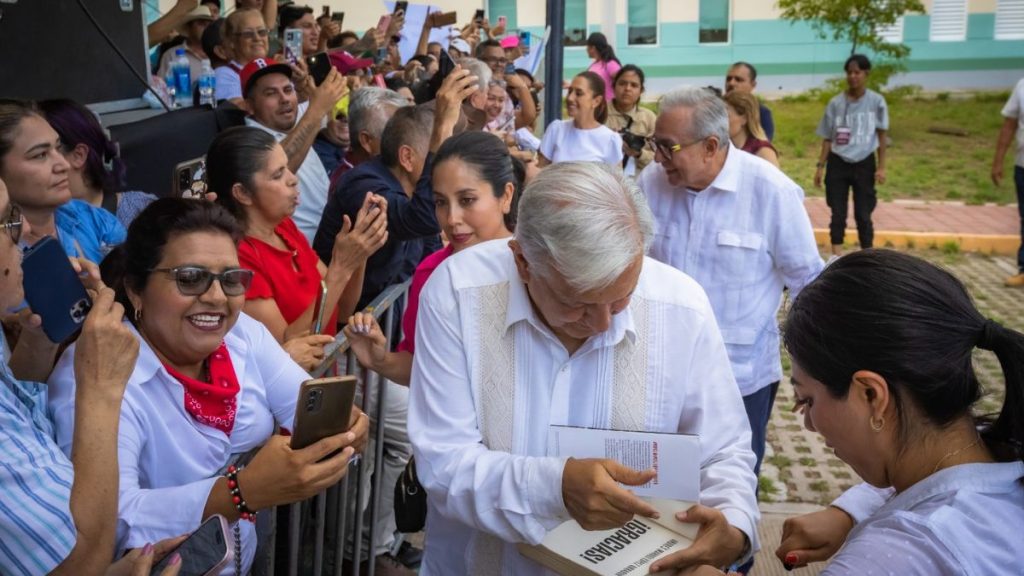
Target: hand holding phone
[(478, 17), (319, 66), (401, 6), (205, 552), (322, 409), (53, 290)]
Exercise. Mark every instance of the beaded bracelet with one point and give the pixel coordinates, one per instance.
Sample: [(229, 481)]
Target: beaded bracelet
[(236, 495)]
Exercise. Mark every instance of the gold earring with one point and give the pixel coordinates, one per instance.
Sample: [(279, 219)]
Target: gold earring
[(138, 315), (877, 427)]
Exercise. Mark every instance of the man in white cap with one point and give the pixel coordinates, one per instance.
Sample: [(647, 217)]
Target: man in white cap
[(192, 29)]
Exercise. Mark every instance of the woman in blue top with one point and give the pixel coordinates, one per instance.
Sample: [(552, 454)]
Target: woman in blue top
[(37, 177), (96, 172)]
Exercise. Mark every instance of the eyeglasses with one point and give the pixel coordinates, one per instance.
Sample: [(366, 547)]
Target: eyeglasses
[(667, 149), (13, 223), (251, 35), (195, 281)]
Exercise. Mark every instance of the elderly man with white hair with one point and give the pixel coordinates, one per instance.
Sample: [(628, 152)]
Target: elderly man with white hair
[(568, 324), (737, 225)]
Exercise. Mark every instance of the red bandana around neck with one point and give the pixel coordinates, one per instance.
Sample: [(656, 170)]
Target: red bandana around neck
[(212, 403)]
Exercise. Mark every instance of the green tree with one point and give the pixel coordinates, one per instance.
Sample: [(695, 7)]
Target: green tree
[(855, 21)]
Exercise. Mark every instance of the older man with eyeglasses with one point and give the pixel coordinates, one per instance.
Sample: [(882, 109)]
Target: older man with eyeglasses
[(737, 225)]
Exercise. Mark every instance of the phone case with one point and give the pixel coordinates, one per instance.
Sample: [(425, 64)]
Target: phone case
[(53, 290), (206, 552), (322, 409)]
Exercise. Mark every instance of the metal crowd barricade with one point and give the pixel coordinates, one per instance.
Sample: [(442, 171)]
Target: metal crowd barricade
[(327, 512)]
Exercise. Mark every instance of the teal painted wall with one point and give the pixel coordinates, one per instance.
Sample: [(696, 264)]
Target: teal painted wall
[(778, 47)]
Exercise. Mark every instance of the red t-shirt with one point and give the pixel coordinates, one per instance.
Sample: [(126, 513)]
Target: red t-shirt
[(290, 277), (419, 278)]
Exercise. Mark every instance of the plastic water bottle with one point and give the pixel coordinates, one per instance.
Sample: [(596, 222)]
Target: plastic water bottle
[(169, 81), (183, 79), (207, 83)]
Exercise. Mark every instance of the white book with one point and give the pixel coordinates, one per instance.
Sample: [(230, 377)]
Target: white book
[(631, 549)]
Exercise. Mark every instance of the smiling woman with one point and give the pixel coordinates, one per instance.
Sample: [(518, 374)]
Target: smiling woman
[(209, 389)]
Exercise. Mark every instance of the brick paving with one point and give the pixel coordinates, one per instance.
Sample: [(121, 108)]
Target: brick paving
[(926, 216)]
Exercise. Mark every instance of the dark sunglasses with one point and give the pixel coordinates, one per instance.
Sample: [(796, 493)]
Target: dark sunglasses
[(195, 281), (13, 223)]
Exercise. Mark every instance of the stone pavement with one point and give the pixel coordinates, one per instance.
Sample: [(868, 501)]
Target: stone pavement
[(987, 228)]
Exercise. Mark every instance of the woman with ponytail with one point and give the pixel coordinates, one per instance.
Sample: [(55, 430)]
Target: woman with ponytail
[(882, 347), (96, 172), (605, 64)]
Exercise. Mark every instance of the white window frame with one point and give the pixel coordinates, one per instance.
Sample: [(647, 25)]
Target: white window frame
[(893, 33), (1009, 20), (657, 27), (955, 21), (732, 14), (586, 30)]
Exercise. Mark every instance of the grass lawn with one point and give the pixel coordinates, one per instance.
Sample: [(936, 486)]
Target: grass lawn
[(920, 164)]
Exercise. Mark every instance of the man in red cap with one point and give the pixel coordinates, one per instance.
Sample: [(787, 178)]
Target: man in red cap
[(273, 105)]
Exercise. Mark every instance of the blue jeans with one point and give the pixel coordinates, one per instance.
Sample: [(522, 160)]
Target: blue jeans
[(1018, 180), (759, 411)]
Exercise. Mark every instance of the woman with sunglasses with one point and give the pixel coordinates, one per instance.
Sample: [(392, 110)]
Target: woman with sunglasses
[(583, 137), (246, 37), (248, 170), (210, 388), (38, 180), (47, 525)]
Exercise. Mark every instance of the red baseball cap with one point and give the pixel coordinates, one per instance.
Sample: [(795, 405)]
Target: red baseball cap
[(258, 68), (346, 63)]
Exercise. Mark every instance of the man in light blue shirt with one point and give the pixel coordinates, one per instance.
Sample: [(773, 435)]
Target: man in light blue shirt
[(736, 224)]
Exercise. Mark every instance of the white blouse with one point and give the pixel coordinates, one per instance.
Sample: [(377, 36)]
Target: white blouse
[(169, 462)]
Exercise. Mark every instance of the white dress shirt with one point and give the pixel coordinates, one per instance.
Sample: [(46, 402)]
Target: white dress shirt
[(743, 238), (965, 519), (314, 184), (169, 462), (489, 378)]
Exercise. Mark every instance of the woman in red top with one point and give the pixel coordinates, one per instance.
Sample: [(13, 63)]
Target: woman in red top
[(476, 190), (745, 129), (248, 170)]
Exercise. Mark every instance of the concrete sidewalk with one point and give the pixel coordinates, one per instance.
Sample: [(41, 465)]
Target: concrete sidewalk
[(988, 228)]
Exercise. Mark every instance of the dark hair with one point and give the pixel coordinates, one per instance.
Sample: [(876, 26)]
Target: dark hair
[(211, 40), (490, 158), (408, 126), (491, 43), (915, 325), (750, 68), (233, 157), (12, 113), (424, 59), (599, 42), (288, 15), (76, 124), (396, 82), (860, 60), (597, 87), (630, 68), (129, 265), (338, 40)]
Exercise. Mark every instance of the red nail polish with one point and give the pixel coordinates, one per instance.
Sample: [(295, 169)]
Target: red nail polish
[(791, 558)]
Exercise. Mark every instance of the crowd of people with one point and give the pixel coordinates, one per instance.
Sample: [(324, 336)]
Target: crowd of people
[(624, 271)]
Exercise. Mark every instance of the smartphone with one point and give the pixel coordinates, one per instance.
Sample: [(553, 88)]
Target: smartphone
[(322, 409), (293, 45), (383, 23), (205, 552), (53, 290), (319, 66), (401, 6), (338, 17), (524, 39), (510, 68), (190, 178), (378, 80), (318, 309), (478, 17), (325, 10), (445, 66), (502, 21)]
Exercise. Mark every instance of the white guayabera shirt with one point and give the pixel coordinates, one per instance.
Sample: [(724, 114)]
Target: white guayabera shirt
[(489, 378)]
